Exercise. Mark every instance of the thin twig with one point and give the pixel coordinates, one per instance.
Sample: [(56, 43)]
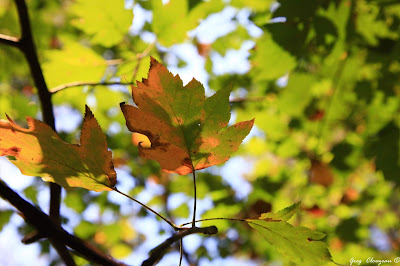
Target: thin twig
[(214, 219), (195, 198), (85, 83), (166, 195), (180, 251), (158, 252), (174, 226), (53, 231), (9, 40)]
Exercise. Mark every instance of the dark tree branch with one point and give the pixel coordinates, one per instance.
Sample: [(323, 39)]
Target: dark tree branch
[(9, 40), (158, 252), (53, 231), (27, 46)]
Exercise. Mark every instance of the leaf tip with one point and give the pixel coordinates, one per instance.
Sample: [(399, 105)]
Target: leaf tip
[(153, 61), (88, 112)]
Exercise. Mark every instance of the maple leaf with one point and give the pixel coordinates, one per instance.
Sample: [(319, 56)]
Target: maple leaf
[(39, 151), (187, 131), (300, 244)]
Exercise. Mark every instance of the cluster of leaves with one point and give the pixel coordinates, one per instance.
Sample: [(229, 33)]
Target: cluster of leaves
[(323, 84)]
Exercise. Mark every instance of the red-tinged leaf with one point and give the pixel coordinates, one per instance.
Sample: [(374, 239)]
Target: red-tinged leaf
[(187, 131), (39, 151)]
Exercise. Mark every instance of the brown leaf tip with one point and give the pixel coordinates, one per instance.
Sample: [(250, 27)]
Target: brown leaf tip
[(88, 112), (153, 62)]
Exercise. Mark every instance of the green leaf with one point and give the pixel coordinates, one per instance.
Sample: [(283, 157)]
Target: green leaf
[(385, 148), (85, 229), (233, 40), (74, 63), (271, 61), (106, 21), (39, 151), (187, 132), (282, 215), (172, 21), (299, 244), (297, 94), (254, 5), (181, 211), (5, 216)]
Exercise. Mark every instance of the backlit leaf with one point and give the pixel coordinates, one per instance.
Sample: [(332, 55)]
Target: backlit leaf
[(187, 131), (73, 63), (271, 60), (299, 244), (106, 21), (39, 151), (172, 21)]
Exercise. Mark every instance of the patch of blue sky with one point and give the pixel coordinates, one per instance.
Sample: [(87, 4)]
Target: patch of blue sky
[(234, 61), (221, 24), (114, 128), (68, 118), (233, 172), (10, 238), (379, 239), (141, 16)]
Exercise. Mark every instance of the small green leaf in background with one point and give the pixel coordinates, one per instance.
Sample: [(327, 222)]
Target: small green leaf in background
[(270, 60), (5, 216), (172, 21), (299, 244), (106, 21), (254, 5), (73, 63)]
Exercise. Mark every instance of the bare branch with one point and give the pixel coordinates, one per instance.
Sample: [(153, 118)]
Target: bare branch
[(53, 231), (9, 40), (28, 47), (158, 252), (85, 83)]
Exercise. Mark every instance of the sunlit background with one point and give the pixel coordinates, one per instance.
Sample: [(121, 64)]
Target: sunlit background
[(321, 79)]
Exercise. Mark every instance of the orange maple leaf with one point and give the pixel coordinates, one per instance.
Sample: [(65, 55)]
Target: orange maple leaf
[(39, 151), (187, 131)]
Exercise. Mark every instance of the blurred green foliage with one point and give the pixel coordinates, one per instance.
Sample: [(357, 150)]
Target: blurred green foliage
[(323, 85)]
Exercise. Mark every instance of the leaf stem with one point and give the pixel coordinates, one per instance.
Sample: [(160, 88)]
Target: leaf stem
[(195, 197), (214, 219), (176, 227)]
